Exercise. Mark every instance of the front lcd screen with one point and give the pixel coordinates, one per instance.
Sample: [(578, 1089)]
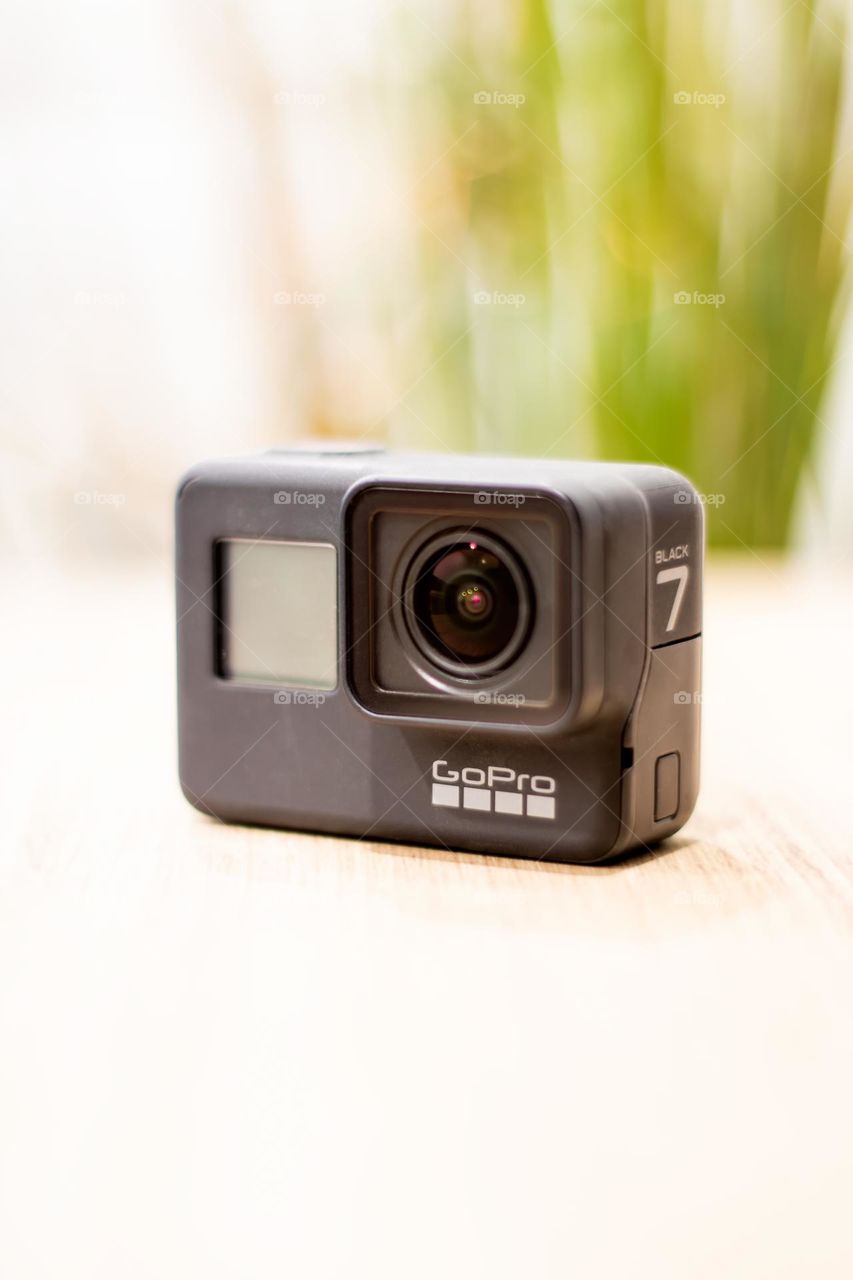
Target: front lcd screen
[(278, 613)]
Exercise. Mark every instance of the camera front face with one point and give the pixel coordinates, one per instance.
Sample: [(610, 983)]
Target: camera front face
[(370, 646), (459, 609)]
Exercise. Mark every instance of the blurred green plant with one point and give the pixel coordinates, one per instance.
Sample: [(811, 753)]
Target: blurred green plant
[(632, 219)]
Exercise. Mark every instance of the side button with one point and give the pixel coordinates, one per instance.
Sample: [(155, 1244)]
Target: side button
[(667, 785)]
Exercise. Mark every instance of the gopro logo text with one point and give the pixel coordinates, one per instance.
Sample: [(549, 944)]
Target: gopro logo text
[(495, 789)]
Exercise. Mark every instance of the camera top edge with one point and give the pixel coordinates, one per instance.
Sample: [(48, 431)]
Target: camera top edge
[(361, 468)]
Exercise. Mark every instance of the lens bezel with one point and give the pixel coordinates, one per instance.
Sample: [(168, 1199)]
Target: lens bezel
[(386, 523), (441, 543)]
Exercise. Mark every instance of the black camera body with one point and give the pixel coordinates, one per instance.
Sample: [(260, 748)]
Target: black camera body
[(489, 654)]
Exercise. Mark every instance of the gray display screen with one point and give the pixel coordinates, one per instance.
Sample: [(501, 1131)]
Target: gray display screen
[(279, 613)]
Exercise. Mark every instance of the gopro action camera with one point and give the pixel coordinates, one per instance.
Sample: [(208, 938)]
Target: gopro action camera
[(498, 655)]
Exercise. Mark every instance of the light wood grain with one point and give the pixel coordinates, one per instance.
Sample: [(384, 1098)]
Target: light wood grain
[(231, 1053)]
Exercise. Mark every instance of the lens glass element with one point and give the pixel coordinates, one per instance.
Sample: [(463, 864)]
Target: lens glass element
[(467, 603)]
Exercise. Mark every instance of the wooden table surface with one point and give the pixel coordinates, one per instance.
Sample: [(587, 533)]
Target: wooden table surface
[(232, 1053)]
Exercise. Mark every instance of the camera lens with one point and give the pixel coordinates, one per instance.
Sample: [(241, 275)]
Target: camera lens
[(469, 602)]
